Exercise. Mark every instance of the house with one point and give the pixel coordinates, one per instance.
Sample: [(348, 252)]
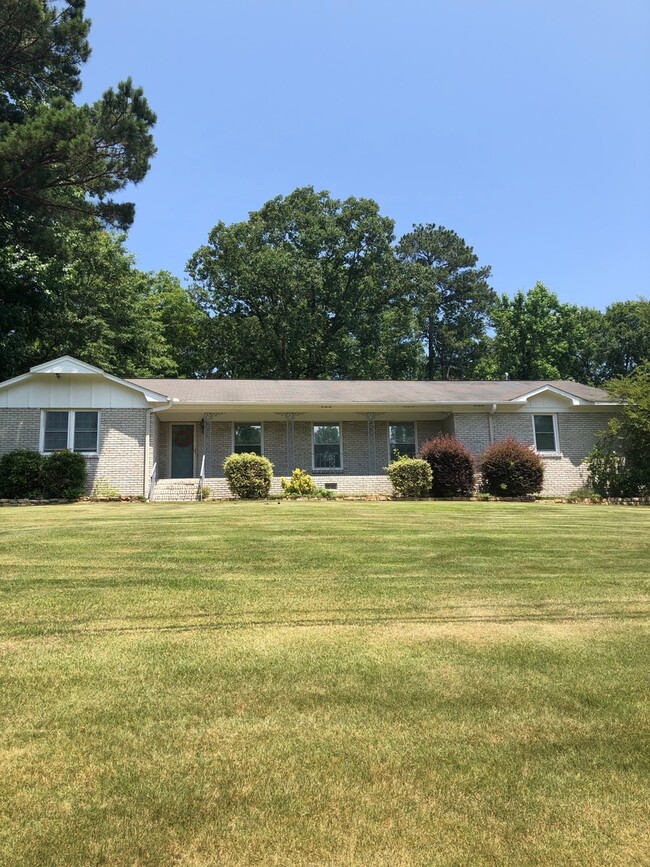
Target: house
[(158, 437)]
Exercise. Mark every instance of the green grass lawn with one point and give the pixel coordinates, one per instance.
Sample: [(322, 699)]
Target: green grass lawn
[(324, 683)]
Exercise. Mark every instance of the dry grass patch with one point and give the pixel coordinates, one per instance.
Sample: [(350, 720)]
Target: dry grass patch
[(324, 684)]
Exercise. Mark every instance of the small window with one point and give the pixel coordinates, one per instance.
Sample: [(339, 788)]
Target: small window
[(77, 430), (402, 440), (248, 438), (327, 446), (545, 433)]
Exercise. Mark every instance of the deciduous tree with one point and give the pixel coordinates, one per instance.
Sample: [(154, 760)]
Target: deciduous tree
[(300, 289)]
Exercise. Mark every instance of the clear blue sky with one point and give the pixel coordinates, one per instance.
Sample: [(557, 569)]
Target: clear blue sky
[(524, 125)]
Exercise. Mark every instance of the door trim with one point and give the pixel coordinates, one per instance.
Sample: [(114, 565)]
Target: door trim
[(191, 424)]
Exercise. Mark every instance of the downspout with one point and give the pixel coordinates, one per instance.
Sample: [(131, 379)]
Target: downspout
[(491, 422), (147, 440)]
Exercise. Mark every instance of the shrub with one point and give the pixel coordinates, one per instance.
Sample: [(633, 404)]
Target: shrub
[(611, 473), (249, 476), (64, 475), (103, 488), (511, 469), (300, 484), (21, 474), (410, 477), (581, 494), (452, 466)]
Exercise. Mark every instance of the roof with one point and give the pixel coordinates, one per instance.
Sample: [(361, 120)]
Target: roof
[(345, 392)]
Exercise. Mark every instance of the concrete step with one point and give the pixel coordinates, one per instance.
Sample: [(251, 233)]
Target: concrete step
[(176, 490)]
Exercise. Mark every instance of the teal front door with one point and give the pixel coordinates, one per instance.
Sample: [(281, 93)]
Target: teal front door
[(182, 451)]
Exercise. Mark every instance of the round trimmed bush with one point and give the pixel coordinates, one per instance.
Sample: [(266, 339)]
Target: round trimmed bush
[(410, 477), (249, 476), (452, 466), (64, 475), (21, 475), (511, 469)]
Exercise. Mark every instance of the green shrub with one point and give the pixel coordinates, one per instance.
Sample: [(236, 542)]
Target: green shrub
[(452, 466), (511, 469), (249, 476), (21, 474), (584, 493), (300, 484), (64, 475), (410, 477), (103, 488), (611, 473)]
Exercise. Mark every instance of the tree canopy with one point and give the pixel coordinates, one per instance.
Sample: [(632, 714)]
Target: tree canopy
[(450, 298), (300, 289), (60, 162)]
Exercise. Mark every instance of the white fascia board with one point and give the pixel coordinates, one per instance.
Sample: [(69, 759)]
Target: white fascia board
[(69, 365), (66, 364), (9, 382), (576, 401)]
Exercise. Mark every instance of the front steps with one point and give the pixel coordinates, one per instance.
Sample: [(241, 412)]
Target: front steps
[(176, 490)]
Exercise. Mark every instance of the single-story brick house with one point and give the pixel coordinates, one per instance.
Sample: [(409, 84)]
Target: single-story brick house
[(155, 436)]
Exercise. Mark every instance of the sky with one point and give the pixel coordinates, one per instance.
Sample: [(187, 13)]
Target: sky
[(523, 125)]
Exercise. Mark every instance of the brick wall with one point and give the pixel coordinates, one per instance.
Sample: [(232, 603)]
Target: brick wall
[(473, 430), (19, 429), (121, 458)]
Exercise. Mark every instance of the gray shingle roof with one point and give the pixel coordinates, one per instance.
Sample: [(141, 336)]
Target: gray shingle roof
[(305, 391)]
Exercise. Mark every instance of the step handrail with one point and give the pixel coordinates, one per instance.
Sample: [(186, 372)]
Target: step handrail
[(201, 479), (152, 480)]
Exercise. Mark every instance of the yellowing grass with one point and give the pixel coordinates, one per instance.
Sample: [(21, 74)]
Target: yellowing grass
[(324, 684)]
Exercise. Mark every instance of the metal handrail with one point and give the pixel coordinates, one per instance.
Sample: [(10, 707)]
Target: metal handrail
[(152, 480), (201, 479)]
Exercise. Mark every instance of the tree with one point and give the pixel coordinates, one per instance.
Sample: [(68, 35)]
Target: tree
[(619, 464), (450, 297), (299, 290), (104, 311), (59, 162), (627, 336), (537, 337)]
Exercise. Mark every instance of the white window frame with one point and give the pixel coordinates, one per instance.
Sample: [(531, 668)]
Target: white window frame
[(326, 470), (415, 433), (71, 417), (250, 424), (556, 435)]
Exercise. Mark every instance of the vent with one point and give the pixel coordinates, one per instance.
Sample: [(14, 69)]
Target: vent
[(331, 486)]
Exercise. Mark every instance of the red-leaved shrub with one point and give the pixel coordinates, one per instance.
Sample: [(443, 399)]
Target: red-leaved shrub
[(511, 469), (452, 466)]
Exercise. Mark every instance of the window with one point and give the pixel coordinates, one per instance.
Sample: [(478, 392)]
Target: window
[(248, 438), (401, 440), (76, 430), (545, 433), (327, 446)]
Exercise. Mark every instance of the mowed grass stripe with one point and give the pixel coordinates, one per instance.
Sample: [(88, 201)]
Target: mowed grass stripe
[(340, 683)]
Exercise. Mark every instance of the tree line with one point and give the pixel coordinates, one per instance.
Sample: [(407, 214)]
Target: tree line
[(308, 286)]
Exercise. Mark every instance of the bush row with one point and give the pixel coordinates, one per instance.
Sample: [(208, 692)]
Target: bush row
[(445, 468), (25, 474)]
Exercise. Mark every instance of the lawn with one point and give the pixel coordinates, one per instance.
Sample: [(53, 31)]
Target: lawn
[(324, 683)]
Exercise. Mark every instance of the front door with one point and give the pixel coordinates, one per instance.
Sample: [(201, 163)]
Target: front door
[(182, 451)]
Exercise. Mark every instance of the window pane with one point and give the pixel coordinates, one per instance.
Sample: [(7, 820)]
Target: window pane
[(85, 431), (544, 433), (327, 446), (402, 440), (56, 431), (248, 438)]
